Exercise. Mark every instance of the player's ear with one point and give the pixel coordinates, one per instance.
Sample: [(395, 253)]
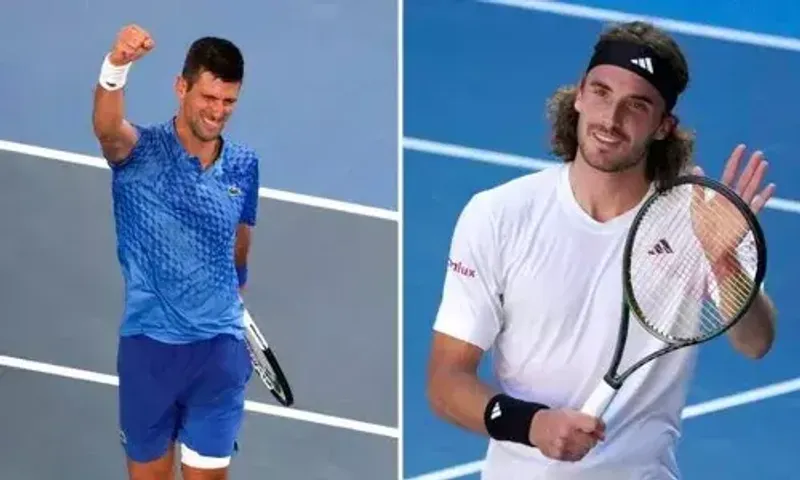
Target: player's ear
[(181, 87), (668, 124)]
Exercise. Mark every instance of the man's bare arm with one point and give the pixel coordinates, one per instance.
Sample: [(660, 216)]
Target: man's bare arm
[(457, 395), (754, 335), (116, 135), (454, 390), (241, 252)]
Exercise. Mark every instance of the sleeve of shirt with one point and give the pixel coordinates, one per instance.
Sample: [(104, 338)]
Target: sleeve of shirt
[(143, 147), (470, 308), (250, 207)]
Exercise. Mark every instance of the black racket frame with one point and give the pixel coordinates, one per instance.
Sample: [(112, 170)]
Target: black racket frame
[(629, 302)]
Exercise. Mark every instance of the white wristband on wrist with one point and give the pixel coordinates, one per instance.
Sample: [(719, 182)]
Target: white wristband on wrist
[(113, 77)]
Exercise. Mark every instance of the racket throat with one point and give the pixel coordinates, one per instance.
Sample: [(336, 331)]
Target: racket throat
[(613, 381)]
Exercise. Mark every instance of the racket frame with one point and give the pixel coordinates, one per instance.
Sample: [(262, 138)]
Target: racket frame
[(612, 377), (284, 395)]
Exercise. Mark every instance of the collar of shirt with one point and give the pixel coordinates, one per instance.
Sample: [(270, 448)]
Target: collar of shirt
[(177, 150)]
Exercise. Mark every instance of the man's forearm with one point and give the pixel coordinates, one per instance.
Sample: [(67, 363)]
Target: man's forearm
[(754, 333), (116, 136), (240, 253), (108, 112), (460, 398)]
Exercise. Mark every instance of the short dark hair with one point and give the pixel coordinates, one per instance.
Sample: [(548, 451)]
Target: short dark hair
[(218, 56)]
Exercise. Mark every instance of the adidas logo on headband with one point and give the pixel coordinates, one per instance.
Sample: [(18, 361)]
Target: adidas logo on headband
[(645, 63), (641, 60)]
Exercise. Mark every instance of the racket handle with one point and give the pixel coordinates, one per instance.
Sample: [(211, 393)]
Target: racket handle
[(598, 401)]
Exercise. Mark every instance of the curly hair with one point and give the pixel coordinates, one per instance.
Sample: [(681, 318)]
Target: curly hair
[(665, 158)]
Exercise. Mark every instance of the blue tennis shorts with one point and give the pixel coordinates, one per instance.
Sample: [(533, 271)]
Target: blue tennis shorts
[(190, 393)]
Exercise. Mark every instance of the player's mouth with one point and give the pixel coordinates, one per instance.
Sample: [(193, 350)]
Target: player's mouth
[(212, 124), (607, 139)]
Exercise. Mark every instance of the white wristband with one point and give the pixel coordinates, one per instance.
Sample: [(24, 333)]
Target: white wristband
[(113, 77)]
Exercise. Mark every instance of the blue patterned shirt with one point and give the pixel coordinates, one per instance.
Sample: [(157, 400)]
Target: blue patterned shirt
[(176, 230)]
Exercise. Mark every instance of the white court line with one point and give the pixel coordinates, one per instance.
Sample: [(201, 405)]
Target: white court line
[(458, 471), (256, 407), (700, 409), (280, 195), (677, 26), (517, 161)]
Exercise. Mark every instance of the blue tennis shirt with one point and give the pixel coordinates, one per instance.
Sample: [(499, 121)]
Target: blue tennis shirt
[(176, 231)]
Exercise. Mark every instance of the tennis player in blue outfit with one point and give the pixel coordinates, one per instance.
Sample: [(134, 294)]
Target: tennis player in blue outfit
[(185, 199)]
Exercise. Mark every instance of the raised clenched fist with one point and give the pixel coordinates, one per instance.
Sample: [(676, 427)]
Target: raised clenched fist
[(132, 43)]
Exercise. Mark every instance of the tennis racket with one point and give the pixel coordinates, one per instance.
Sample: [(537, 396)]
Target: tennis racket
[(672, 281), (265, 363)]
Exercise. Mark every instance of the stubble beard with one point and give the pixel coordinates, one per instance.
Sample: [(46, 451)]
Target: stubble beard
[(609, 163)]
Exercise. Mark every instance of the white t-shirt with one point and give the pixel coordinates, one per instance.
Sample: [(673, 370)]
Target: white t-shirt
[(534, 278)]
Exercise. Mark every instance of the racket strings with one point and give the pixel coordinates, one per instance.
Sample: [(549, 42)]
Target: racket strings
[(708, 222), (668, 311), (732, 295), (255, 348), (670, 273), (695, 301), (649, 273), (738, 284), (712, 318)]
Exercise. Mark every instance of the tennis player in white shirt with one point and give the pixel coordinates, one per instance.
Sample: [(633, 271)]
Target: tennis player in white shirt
[(534, 274)]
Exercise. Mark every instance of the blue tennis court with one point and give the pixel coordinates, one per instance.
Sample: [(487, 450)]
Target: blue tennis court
[(477, 75)]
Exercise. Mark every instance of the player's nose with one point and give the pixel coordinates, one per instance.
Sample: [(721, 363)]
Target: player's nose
[(216, 113)]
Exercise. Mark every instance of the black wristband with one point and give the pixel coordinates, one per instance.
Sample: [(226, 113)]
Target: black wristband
[(509, 419)]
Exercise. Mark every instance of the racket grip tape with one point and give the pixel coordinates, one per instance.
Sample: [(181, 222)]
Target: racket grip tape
[(598, 401)]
